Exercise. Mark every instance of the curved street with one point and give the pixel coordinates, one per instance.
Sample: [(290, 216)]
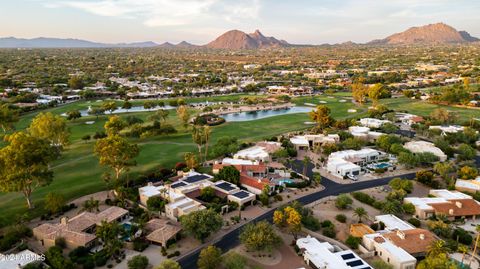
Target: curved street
[(230, 240)]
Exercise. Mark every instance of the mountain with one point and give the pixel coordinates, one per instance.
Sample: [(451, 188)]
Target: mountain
[(236, 40), (186, 45), (45, 42), (438, 33), (465, 35)]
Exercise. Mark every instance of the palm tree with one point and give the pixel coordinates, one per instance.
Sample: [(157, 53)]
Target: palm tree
[(360, 213), (476, 243), (198, 137), (91, 205), (306, 161), (207, 131), (463, 249), (437, 247)]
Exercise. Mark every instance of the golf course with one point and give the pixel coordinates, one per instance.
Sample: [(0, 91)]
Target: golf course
[(77, 172)]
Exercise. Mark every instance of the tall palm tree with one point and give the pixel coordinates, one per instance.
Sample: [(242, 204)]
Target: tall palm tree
[(360, 213), (207, 131), (476, 243), (306, 161), (198, 136)]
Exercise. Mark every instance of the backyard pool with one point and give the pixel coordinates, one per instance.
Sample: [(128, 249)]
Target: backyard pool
[(380, 165), (127, 227), (256, 115), (285, 181)]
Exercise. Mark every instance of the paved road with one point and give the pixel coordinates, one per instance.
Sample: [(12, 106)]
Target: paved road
[(230, 240)]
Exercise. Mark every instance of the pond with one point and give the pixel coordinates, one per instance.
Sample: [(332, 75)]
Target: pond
[(256, 115)]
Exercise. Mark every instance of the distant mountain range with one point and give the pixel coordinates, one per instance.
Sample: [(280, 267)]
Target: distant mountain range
[(438, 33), (45, 42)]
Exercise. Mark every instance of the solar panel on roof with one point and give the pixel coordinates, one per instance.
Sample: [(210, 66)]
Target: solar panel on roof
[(355, 263), (348, 256), (225, 186), (368, 267), (195, 178), (241, 194), (178, 184)]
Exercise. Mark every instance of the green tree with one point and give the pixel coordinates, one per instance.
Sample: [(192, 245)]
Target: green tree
[(229, 174), (8, 118), (466, 152), (198, 137), (73, 115), (114, 125), (375, 92), (169, 264), (109, 106), (160, 115), (183, 115), (201, 224), (259, 236), (209, 258), (393, 207), (443, 169), (156, 204), (149, 104), (138, 262), (343, 201), (360, 213), (91, 205), (191, 160), (75, 82), (233, 260), (25, 164), (54, 202), (127, 105), (55, 259), (50, 127), (108, 233), (322, 117), (117, 153), (401, 184)]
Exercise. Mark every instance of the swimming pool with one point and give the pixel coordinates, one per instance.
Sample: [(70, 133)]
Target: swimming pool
[(285, 181), (127, 227), (381, 165)]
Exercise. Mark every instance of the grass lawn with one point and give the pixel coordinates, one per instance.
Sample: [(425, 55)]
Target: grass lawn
[(77, 172)]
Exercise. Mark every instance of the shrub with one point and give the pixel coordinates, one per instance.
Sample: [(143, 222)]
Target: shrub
[(415, 222), (311, 223), (329, 231), (140, 244), (353, 241), (343, 201), (341, 218), (409, 208), (327, 223), (463, 236), (60, 242)]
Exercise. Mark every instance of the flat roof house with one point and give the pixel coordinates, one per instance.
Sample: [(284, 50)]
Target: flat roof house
[(78, 231), (468, 185), (324, 255), (350, 162), (452, 204), (373, 123), (252, 176), (305, 142)]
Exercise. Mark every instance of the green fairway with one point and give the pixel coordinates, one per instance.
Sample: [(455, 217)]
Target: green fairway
[(77, 172)]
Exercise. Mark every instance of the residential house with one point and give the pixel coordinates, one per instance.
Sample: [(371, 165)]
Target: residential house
[(310, 141), (350, 162), (451, 204), (373, 123), (468, 185), (78, 231), (326, 256), (161, 231)]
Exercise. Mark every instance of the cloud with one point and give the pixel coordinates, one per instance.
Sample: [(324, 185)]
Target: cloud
[(155, 13)]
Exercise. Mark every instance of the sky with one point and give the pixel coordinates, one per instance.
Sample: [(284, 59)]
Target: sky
[(200, 21)]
